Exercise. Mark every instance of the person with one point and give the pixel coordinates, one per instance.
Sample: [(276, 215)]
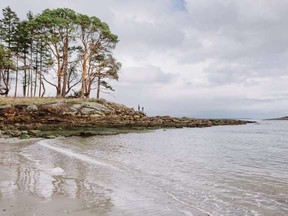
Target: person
[(138, 108), (143, 109)]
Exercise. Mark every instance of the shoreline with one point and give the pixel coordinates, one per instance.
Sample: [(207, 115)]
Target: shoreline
[(26, 118), (26, 189)]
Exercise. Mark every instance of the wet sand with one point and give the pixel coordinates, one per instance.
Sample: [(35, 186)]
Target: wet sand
[(17, 201), (28, 189)]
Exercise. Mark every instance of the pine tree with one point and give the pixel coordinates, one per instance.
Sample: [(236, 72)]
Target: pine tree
[(9, 25), (97, 42)]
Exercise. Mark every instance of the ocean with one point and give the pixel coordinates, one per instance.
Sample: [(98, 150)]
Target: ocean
[(224, 170)]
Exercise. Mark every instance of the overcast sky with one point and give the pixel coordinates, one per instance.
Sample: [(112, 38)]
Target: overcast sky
[(208, 58)]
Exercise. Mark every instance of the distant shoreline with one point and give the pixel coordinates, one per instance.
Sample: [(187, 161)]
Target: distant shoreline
[(281, 118)]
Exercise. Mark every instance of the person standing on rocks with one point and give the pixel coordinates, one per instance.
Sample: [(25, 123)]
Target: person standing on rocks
[(138, 108)]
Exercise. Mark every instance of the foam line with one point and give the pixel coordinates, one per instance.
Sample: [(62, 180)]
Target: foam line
[(90, 160), (78, 156)]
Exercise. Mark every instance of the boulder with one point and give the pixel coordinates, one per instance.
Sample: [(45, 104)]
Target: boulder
[(94, 106), (32, 108), (35, 133), (50, 137), (75, 107)]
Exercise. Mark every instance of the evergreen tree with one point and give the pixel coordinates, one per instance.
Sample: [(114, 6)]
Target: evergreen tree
[(6, 64), (8, 26), (97, 40), (78, 48), (58, 27), (23, 43)]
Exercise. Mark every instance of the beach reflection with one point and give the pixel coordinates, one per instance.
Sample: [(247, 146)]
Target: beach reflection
[(88, 185), (27, 174), (42, 183)]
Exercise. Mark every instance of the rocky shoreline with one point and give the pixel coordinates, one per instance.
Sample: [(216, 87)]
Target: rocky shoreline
[(79, 117), (282, 118)]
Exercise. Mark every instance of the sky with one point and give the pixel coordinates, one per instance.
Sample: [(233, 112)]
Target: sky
[(208, 58)]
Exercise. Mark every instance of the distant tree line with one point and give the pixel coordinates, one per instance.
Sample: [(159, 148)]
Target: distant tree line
[(70, 51)]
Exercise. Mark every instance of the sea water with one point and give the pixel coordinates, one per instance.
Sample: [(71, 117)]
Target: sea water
[(224, 170)]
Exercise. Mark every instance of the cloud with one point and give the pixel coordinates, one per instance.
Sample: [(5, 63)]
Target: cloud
[(193, 57), (146, 75)]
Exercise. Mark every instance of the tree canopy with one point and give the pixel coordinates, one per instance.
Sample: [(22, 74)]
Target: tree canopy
[(69, 51)]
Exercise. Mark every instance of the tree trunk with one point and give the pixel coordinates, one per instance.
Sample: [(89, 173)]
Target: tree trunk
[(44, 90), (40, 71), (98, 87), (59, 80), (16, 81), (65, 68), (0, 78), (31, 81), (7, 81), (84, 71), (40, 83), (36, 75), (31, 71), (25, 77)]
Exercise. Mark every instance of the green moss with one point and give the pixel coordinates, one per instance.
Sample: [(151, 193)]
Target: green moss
[(24, 136), (88, 131)]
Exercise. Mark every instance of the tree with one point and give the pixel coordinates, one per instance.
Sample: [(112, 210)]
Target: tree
[(104, 68), (97, 40), (57, 27), (58, 47), (8, 27), (6, 64), (109, 69)]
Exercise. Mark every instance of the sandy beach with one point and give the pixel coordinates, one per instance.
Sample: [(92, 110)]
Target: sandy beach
[(17, 196), (32, 183)]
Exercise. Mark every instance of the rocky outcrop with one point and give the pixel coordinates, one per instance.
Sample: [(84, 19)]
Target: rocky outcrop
[(33, 120), (282, 118)]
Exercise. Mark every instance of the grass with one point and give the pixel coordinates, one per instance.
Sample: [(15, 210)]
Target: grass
[(22, 100)]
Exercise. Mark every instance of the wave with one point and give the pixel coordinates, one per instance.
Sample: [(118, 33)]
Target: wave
[(78, 156)]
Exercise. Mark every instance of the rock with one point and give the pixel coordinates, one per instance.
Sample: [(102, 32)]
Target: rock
[(21, 107), (178, 126), (50, 137), (5, 106), (32, 108), (35, 133), (87, 134), (136, 117), (86, 111), (33, 119), (209, 123), (55, 108), (190, 124), (8, 112), (24, 136), (75, 107), (94, 106), (13, 133), (96, 115)]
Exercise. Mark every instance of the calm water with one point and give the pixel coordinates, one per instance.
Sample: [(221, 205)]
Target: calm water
[(227, 170)]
